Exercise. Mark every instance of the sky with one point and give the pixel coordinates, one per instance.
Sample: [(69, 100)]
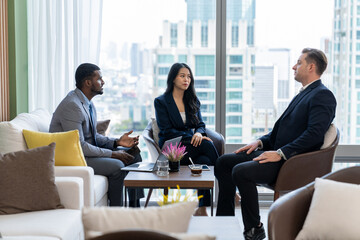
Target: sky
[(291, 24)]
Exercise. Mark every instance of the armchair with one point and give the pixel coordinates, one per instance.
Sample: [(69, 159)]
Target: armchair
[(304, 168), (287, 215)]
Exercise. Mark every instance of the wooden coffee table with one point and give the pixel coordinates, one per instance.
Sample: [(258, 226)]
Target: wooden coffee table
[(183, 178)]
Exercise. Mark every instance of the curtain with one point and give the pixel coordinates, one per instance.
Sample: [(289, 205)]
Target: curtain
[(62, 34), (4, 63)]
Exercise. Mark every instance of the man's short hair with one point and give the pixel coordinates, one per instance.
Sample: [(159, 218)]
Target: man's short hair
[(83, 72), (318, 57)]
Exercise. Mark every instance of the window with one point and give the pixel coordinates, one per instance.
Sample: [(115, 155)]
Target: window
[(237, 108), (182, 58), (234, 119), (205, 65), (234, 83), (173, 35), (166, 59), (236, 59), (164, 70), (234, 95)]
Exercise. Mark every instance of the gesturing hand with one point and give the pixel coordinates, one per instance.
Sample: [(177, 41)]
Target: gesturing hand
[(249, 148), (127, 141), (122, 156)]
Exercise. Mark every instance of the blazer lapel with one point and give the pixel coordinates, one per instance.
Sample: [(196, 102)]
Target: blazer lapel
[(84, 105), (300, 96), (173, 111)]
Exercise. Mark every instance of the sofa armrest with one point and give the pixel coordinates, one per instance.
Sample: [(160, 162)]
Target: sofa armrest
[(71, 192), (87, 175)]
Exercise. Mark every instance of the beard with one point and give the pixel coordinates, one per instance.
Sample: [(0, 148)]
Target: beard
[(96, 91)]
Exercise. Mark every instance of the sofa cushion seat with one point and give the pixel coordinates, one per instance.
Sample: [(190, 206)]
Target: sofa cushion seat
[(59, 223), (100, 187)]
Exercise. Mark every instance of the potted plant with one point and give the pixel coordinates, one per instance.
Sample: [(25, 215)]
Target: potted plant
[(174, 154)]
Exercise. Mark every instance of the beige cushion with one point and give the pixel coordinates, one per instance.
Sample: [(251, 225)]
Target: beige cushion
[(155, 129), (27, 181), (329, 137), (12, 140), (334, 211), (170, 218), (102, 127)]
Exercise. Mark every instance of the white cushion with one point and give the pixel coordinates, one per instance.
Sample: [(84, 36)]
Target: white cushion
[(100, 187), (155, 129), (192, 236), (334, 211), (329, 137), (170, 218), (61, 223)]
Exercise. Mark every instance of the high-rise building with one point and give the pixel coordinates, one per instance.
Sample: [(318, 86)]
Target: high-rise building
[(346, 68), (193, 42)]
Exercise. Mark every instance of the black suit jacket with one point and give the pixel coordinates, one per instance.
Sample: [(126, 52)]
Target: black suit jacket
[(302, 126), (170, 122)]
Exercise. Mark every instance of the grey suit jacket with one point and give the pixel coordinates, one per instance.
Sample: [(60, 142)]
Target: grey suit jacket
[(73, 113)]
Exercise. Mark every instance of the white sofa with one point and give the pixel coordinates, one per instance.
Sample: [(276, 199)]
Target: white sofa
[(60, 224), (95, 186)]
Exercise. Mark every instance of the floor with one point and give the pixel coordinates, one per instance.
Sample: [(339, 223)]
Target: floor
[(263, 216)]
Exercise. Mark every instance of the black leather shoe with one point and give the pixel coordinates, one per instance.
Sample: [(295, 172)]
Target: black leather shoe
[(255, 233)]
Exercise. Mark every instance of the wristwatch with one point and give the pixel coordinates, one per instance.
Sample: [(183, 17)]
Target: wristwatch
[(280, 153)]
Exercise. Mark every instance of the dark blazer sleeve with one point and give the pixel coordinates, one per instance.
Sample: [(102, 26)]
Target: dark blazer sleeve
[(200, 127)]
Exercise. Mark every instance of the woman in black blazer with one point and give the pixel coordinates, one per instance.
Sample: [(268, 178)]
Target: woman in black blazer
[(178, 114)]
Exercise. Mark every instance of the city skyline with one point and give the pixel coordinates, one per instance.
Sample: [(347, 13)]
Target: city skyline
[(279, 23)]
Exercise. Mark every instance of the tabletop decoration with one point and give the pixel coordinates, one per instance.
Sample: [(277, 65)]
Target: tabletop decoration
[(174, 153)]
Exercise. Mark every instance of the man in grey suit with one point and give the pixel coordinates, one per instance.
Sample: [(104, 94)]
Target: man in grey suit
[(76, 111)]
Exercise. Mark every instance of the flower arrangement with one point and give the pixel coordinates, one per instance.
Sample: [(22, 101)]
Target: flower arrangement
[(174, 153), (176, 197)]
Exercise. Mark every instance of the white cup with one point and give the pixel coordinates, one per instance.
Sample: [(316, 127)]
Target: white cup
[(162, 167)]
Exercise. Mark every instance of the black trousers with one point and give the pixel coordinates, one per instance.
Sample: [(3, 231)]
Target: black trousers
[(111, 168), (238, 170), (205, 153)]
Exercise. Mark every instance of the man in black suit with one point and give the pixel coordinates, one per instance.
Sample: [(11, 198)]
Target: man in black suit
[(301, 128)]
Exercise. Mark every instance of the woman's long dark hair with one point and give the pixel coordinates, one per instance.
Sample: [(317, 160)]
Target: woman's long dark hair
[(190, 99)]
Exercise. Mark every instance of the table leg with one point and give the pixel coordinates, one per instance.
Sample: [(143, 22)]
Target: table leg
[(125, 200), (148, 197), (212, 201)]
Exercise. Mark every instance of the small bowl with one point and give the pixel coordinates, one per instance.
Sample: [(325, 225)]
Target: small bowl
[(196, 170)]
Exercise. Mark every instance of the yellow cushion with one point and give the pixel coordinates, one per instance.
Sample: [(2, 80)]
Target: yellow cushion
[(68, 151)]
